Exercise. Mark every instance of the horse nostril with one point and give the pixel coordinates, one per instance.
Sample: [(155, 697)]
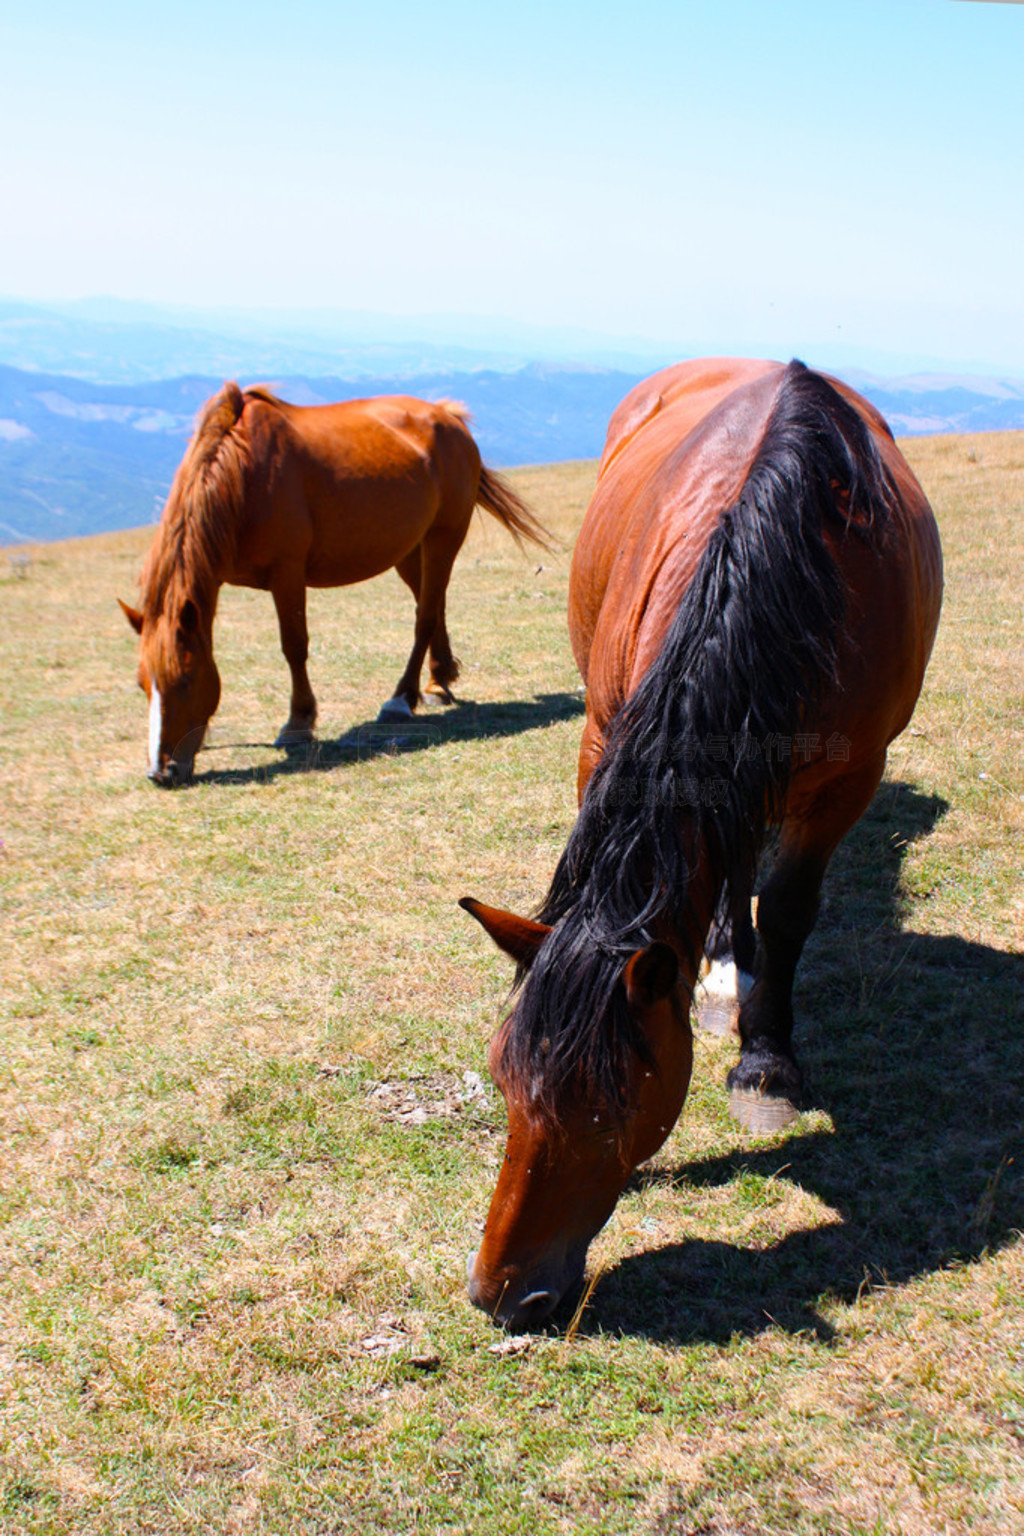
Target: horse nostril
[(533, 1309)]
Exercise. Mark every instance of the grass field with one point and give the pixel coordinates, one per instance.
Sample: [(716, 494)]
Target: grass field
[(248, 1136)]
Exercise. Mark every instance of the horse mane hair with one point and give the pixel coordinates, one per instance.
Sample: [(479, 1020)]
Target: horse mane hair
[(197, 536), (751, 649)]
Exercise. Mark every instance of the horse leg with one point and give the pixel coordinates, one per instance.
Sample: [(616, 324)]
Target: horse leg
[(437, 556), (766, 1084), (290, 602), (444, 666), (727, 974)]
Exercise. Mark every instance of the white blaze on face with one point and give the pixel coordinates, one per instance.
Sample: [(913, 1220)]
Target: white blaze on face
[(156, 723)]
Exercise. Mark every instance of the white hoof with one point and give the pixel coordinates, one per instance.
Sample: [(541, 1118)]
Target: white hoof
[(298, 736), (395, 709)]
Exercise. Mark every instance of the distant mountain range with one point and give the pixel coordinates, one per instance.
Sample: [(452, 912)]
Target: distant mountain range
[(111, 342), (96, 406)]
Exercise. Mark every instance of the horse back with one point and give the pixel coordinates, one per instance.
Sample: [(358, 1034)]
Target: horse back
[(351, 487), (678, 453)]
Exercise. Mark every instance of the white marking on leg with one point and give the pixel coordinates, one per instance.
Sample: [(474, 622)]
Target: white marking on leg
[(156, 725), (724, 981), (395, 709), (720, 981)]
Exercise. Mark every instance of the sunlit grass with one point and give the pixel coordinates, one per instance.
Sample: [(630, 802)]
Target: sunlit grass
[(242, 1161)]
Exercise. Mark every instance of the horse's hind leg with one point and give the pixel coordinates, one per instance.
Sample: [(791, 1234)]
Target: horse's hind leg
[(444, 666), (727, 973), (438, 551), (290, 601), (766, 1084)]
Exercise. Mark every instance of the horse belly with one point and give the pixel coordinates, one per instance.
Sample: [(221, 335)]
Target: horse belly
[(364, 529)]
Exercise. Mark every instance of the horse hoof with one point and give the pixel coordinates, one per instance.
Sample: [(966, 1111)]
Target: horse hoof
[(395, 709), (717, 1015), (721, 991), (294, 736), (761, 1113), (433, 693)]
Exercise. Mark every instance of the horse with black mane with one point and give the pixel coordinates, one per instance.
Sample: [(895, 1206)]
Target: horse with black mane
[(283, 497), (753, 600)]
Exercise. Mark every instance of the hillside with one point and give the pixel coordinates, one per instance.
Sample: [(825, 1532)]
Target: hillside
[(79, 457)]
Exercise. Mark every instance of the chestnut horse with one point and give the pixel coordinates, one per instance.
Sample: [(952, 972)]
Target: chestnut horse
[(753, 600), (284, 497)]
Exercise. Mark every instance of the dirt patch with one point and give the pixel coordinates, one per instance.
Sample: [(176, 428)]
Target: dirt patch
[(428, 1096)]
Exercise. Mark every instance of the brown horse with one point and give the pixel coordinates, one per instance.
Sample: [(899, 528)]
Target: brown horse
[(284, 497), (753, 600)]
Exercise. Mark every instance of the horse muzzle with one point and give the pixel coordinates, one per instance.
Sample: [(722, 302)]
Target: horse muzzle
[(171, 775), (526, 1302)]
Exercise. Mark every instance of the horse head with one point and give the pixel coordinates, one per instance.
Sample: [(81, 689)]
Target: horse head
[(178, 675), (572, 1145)]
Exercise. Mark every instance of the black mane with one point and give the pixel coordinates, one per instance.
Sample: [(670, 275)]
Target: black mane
[(750, 651)]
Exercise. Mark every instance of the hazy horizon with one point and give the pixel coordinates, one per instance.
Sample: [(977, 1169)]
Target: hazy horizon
[(467, 340)]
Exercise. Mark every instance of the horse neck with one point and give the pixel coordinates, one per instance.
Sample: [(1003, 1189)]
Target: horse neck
[(639, 864), (572, 1019), (684, 924), (195, 549), (184, 567)]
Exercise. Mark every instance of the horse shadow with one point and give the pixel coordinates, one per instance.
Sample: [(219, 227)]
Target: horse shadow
[(466, 720), (914, 1045)]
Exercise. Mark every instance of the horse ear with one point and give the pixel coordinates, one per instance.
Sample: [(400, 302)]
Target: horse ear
[(519, 937), (651, 974), (133, 616)]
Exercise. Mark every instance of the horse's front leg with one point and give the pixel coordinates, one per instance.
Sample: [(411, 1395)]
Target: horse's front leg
[(290, 602)]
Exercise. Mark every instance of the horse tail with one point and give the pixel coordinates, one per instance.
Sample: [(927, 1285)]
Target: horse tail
[(457, 408), (498, 498), (710, 733), (198, 531)]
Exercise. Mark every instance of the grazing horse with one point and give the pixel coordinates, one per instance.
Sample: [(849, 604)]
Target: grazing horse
[(284, 497), (753, 599)]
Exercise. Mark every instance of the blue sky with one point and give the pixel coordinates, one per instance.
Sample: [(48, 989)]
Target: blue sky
[(765, 174)]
